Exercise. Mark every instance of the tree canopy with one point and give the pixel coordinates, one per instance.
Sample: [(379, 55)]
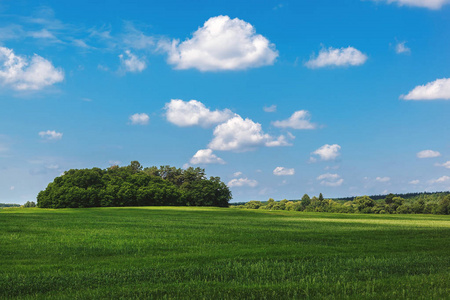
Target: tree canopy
[(134, 185)]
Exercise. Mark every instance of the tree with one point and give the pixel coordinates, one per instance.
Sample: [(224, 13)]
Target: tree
[(443, 207), (364, 203), (305, 201), (135, 166), (29, 204), (270, 203), (389, 199), (321, 197)]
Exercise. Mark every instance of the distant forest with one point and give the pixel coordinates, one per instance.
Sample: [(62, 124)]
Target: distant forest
[(404, 196), (411, 203), (9, 205), (134, 185)]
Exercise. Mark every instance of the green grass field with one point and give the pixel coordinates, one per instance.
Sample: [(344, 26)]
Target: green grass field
[(204, 253)]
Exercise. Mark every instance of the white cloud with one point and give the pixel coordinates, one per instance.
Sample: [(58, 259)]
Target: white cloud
[(239, 182), (438, 89), (281, 171), (430, 4), (12, 188), (236, 174), (221, 44), (441, 179), (383, 179), (299, 120), (416, 181), (328, 176), (445, 165), (42, 34), (329, 179), (242, 135), (327, 152), (401, 48), (205, 156), (22, 73), (272, 108), (132, 63), (51, 135), (135, 38), (193, 113), (139, 119), (342, 57), (428, 154), (81, 44)]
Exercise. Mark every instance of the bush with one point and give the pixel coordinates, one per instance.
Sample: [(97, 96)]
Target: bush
[(253, 204)]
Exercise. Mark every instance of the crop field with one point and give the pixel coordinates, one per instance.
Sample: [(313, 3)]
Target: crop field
[(222, 253)]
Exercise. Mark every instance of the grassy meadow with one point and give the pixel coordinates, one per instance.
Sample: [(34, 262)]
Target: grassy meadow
[(224, 253)]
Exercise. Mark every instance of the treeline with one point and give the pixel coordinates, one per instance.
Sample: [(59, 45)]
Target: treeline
[(406, 196), (134, 185), (391, 204), (9, 205)]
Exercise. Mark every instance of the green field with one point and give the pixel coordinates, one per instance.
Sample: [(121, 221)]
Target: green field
[(204, 253)]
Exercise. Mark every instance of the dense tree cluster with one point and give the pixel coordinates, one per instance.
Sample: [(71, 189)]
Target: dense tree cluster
[(134, 185), (29, 204), (391, 204)]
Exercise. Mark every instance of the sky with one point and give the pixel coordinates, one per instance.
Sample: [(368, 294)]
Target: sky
[(277, 98)]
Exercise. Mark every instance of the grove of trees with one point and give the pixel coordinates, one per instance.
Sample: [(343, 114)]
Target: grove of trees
[(134, 185)]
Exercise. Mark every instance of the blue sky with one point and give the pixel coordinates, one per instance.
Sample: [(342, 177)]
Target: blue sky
[(339, 97)]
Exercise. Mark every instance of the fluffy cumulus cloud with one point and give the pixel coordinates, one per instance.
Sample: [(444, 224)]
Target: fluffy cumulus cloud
[(438, 89), (139, 119), (401, 48), (221, 44), (239, 182), (326, 152), (383, 179), (414, 182), (131, 63), (333, 57), (240, 135), (329, 179), (299, 120), (206, 156), (428, 154), (236, 174), (430, 4), (445, 165), (23, 73), (50, 135), (282, 171), (194, 113)]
